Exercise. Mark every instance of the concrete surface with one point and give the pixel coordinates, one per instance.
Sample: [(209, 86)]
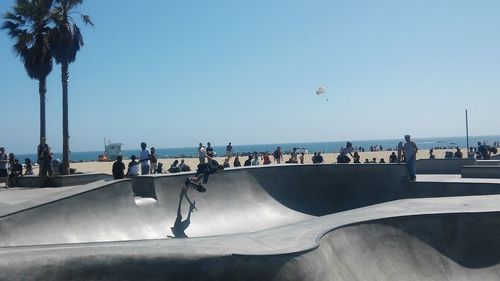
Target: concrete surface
[(481, 172), (294, 222), (63, 180), (488, 162), (443, 166)]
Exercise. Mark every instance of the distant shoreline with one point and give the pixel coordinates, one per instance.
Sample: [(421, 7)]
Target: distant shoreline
[(325, 147)]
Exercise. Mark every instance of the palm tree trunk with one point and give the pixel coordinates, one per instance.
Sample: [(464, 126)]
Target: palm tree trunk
[(42, 90), (64, 79)]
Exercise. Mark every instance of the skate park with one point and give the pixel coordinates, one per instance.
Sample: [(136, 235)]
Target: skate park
[(286, 222)]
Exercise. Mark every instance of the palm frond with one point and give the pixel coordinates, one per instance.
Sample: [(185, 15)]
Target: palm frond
[(86, 20)]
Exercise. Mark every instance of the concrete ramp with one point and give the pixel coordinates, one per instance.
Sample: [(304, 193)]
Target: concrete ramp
[(237, 201), (432, 247)]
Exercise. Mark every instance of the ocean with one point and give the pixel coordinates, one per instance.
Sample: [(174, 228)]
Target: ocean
[(324, 147)]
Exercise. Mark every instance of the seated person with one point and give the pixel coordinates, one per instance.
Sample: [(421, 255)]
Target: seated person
[(314, 158), (374, 160), (431, 154), (15, 174), (367, 161), (226, 163), (319, 158), (159, 168), (471, 153), (56, 166), (266, 158), (184, 167), (174, 168), (356, 157), (248, 162), (458, 153), (255, 160), (29, 166), (237, 162), (382, 161), (393, 158), (133, 167)]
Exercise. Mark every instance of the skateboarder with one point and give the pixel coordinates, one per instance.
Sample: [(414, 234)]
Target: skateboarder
[(204, 171)]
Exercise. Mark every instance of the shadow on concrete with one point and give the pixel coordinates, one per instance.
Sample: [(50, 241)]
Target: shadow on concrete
[(180, 226)]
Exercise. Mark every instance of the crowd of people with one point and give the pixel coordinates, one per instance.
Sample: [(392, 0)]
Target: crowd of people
[(147, 163), (11, 168)]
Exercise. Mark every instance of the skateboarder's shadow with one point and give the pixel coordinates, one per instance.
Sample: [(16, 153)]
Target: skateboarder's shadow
[(180, 226)]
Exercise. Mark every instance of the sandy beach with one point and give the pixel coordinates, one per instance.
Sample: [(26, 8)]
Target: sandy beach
[(105, 167)]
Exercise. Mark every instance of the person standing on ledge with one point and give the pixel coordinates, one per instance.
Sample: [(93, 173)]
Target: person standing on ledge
[(229, 152), (410, 150), (40, 151), (144, 158)]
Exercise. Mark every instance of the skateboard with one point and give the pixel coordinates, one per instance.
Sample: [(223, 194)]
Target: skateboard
[(195, 185)]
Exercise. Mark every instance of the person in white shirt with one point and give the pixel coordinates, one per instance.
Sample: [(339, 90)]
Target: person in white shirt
[(133, 167), (144, 158), (202, 152)]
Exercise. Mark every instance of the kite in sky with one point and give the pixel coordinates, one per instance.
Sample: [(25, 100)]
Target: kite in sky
[(321, 91)]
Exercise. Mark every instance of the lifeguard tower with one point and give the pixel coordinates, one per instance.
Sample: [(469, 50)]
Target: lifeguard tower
[(112, 150)]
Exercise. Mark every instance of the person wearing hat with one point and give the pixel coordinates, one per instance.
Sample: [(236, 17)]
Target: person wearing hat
[(4, 163)]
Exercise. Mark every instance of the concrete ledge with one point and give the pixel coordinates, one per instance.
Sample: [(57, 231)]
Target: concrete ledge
[(443, 166), (488, 162), (63, 180), (481, 172)]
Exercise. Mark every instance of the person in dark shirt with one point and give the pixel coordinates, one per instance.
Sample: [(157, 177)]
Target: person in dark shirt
[(118, 168), (356, 157), (42, 147), (15, 173), (46, 163), (458, 153), (237, 162), (248, 162), (314, 159), (393, 158), (204, 171), (210, 150), (29, 166), (319, 158)]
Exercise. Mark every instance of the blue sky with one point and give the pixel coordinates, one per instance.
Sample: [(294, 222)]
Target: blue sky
[(174, 73)]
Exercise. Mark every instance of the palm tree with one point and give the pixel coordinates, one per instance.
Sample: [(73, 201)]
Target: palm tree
[(28, 24), (65, 41)]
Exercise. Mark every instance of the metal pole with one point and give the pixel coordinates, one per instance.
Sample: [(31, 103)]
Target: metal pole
[(467, 129)]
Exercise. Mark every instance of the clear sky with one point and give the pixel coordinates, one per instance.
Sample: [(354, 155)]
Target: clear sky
[(174, 73)]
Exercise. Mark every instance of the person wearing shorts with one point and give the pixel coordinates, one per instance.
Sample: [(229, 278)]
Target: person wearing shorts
[(229, 151)]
